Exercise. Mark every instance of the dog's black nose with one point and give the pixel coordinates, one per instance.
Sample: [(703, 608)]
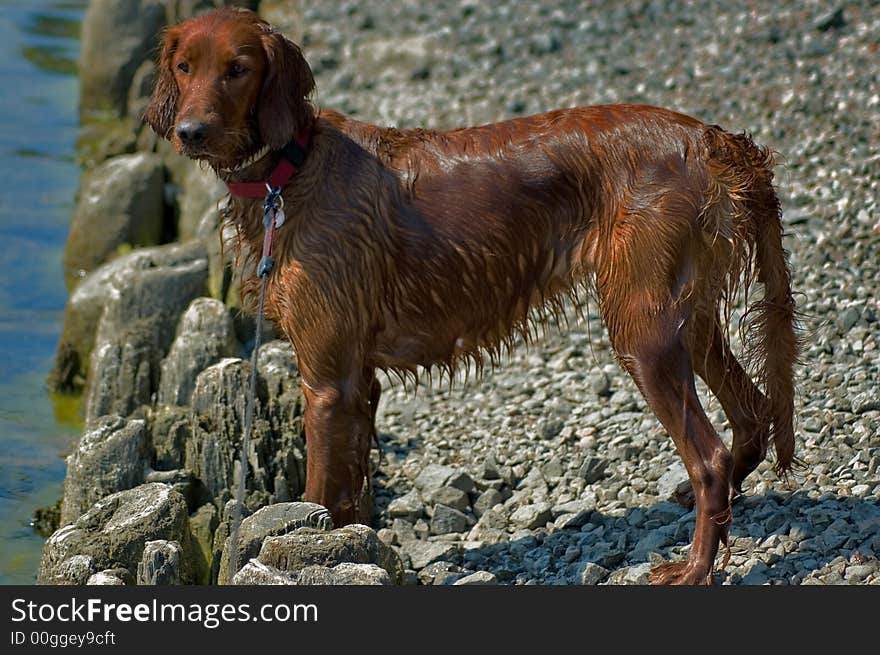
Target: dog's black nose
[(192, 132)]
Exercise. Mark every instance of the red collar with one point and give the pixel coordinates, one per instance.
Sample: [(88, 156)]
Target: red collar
[(292, 157)]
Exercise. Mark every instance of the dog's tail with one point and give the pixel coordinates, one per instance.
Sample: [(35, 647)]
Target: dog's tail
[(742, 173)]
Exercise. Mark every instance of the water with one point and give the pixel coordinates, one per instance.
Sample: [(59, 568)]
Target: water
[(38, 182)]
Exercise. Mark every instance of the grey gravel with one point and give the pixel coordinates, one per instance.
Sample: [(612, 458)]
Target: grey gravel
[(558, 421)]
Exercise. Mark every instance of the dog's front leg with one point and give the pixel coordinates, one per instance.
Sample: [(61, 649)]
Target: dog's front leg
[(339, 426)]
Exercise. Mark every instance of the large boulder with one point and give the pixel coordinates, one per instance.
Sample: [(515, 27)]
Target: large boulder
[(356, 544), (276, 452), (89, 299), (109, 457), (346, 573), (113, 534), (270, 521), (137, 328), (205, 335), (121, 204), (200, 191), (117, 35)]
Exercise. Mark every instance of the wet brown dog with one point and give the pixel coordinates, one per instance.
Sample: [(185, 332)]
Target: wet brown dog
[(408, 248)]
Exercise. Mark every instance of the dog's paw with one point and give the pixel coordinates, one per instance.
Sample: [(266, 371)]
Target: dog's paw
[(679, 573)]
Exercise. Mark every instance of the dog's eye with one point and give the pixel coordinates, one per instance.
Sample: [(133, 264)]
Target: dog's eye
[(236, 70), (183, 67)]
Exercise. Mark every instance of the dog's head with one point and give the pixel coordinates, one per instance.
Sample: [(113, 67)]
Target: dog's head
[(227, 84)]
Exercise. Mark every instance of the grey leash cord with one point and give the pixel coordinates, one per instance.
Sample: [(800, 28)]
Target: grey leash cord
[(273, 216)]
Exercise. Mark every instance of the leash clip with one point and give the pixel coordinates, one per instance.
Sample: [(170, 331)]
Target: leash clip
[(266, 265), (273, 207)]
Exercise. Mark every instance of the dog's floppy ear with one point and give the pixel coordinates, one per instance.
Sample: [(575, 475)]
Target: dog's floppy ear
[(283, 109), (162, 108)]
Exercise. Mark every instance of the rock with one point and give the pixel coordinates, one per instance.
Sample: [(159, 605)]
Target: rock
[(387, 536), (757, 574), (591, 574), (72, 570), (631, 575), (137, 328), (477, 578), (866, 401), (440, 573), (492, 527), (346, 573), (422, 553), (451, 497), (109, 457), (170, 429), (356, 543), (160, 564), (116, 37), (403, 531), (593, 469), (89, 300), (203, 523), (285, 16), (257, 573), (448, 519), (666, 513), (120, 204), (408, 507), (113, 534), (489, 470), (573, 521), (205, 335), (275, 458), (860, 490), (599, 383), (486, 501), (859, 572), (553, 470), (668, 484), (830, 20), (405, 56), (848, 318), (530, 517), (284, 411), (105, 578), (462, 481), (201, 190), (549, 428), (271, 521), (140, 90), (652, 542), (586, 503), (433, 476)]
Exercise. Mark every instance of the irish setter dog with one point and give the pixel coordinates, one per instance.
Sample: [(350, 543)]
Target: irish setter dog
[(421, 248)]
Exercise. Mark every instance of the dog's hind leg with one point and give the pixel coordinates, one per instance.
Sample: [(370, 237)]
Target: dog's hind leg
[(646, 287), (745, 405), (662, 369)]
